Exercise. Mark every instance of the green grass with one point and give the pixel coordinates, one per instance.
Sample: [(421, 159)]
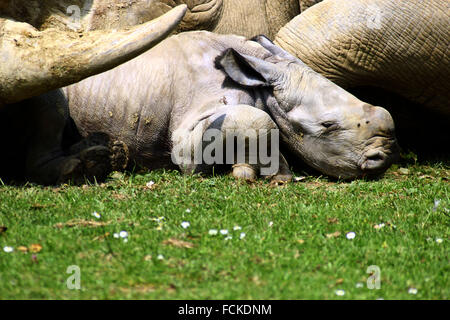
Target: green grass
[(292, 259)]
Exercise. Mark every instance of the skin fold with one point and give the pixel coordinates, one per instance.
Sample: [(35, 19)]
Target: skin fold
[(251, 18)]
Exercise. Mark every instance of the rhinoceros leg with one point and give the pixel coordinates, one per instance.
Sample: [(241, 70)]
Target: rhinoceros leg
[(232, 135), (46, 162)]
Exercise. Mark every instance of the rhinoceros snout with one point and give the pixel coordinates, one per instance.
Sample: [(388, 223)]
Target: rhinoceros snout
[(378, 158), (382, 148)]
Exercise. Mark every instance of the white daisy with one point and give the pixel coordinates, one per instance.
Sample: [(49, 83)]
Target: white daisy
[(213, 232), (8, 249), (339, 292), (237, 228), (242, 235), (436, 204), (224, 231), (123, 234), (412, 291), (96, 214), (185, 224), (351, 235)]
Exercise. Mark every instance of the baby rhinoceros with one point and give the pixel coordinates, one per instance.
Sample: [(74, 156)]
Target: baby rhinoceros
[(198, 98)]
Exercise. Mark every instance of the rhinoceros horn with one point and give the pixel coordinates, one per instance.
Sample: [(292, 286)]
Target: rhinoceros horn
[(33, 62)]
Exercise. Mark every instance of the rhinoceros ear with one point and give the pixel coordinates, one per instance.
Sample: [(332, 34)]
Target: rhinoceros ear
[(247, 70)]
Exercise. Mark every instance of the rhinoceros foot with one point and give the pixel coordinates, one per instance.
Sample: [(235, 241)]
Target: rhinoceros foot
[(118, 150), (92, 164), (72, 170), (96, 162)]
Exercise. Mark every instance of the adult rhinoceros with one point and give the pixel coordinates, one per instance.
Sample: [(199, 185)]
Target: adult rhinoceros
[(35, 59), (171, 95)]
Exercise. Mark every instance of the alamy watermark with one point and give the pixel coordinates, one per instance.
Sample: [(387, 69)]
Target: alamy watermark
[(73, 282), (374, 280), (75, 13)]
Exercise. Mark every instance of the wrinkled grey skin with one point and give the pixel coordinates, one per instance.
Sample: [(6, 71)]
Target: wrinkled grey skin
[(401, 46), (199, 80), (37, 57)]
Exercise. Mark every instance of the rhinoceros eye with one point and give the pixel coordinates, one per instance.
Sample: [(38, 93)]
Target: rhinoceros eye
[(330, 126)]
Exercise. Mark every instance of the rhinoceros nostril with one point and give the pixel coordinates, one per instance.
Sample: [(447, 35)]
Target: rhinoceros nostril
[(374, 160), (376, 157)]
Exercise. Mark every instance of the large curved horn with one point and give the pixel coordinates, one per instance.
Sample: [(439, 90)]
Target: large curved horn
[(33, 62)]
